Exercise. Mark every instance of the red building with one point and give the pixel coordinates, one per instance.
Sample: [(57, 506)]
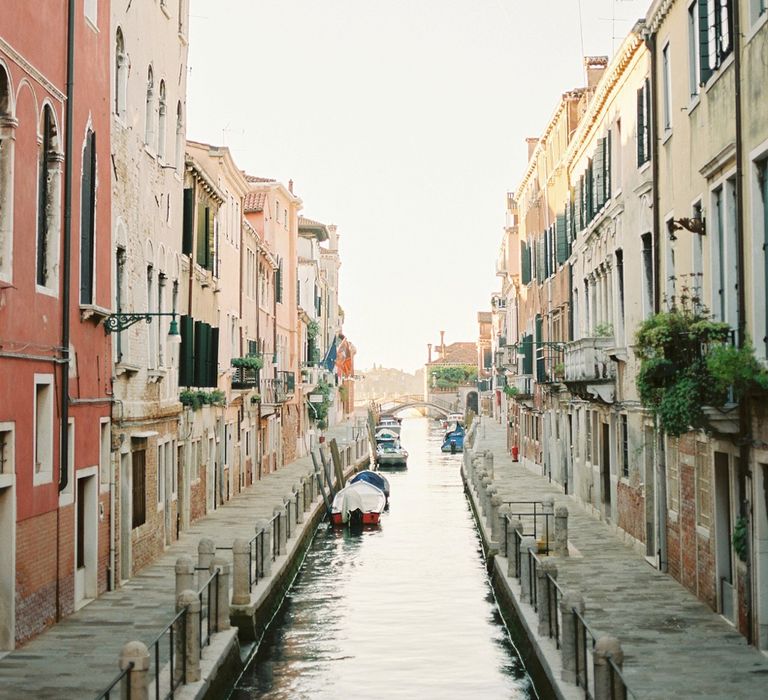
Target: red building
[(55, 289)]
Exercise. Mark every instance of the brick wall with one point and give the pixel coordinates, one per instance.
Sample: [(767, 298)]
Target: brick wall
[(290, 433), (630, 508)]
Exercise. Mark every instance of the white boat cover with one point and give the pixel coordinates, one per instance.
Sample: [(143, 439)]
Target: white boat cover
[(387, 434), (360, 496)]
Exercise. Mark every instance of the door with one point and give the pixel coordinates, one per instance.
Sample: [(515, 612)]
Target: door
[(7, 568), (650, 497), (126, 509), (724, 535), (605, 468), (86, 539)]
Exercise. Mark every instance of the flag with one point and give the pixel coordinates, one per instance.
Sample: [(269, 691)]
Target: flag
[(329, 362)]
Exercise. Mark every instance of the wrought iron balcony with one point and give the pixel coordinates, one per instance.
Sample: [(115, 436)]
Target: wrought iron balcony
[(244, 378)]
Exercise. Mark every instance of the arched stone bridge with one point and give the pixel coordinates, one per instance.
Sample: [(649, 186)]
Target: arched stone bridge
[(417, 401)]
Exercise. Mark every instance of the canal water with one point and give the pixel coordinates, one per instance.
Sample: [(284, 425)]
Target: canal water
[(402, 611)]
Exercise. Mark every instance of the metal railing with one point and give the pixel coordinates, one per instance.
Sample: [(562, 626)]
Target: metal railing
[(209, 608), (275, 522), (176, 632), (256, 550), (118, 681), (531, 518), (581, 632), (618, 682)]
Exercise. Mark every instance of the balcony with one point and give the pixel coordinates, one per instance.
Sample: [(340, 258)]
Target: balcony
[(589, 370), (523, 384), (288, 383), (312, 375), (278, 390), (550, 364), (245, 379)]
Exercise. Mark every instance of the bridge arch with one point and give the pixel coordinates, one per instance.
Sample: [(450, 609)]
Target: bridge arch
[(415, 401)]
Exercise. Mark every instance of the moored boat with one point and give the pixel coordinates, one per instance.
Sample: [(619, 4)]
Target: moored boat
[(378, 480), (453, 441), (357, 504), (390, 453)]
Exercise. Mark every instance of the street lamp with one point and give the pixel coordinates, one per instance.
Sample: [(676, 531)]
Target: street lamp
[(117, 322)]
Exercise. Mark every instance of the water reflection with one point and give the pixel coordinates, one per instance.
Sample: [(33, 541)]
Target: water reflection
[(400, 611)]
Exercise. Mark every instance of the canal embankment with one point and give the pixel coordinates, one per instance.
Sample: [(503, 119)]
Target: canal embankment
[(594, 611), (171, 624)]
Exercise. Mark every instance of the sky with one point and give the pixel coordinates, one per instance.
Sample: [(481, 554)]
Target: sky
[(403, 122)]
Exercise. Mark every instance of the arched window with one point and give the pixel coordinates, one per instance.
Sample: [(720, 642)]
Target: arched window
[(87, 219), (48, 202), (6, 176), (161, 122), (179, 137), (149, 122), (121, 73)]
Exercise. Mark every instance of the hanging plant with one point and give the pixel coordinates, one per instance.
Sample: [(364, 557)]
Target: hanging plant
[(739, 538), (511, 391), (252, 362)]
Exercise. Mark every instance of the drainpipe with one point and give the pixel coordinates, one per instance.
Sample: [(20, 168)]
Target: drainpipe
[(745, 419)]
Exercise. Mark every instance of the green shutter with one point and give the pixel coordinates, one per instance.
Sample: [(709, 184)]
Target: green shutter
[(187, 351), (525, 262), (210, 235), (527, 343), (201, 348), (640, 127), (607, 166), (188, 225), (577, 207), (561, 228), (213, 357), (540, 374), (704, 70), (202, 242), (599, 175)]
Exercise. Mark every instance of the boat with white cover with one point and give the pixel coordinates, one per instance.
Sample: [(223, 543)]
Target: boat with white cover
[(360, 503)]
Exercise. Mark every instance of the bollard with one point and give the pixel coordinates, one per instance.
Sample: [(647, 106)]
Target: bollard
[(561, 531), (241, 572), (280, 534), (488, 462), (206, 551), (568, 644), (185, 573), (545, 597), (297, 505), (136, 653), (513, 527), (311, 488), (608, 685), (490, 492), (525, 568), (222, 593), (190, 601), (485, 482), (264, 548), (493, 516), (477, 472), (505, 546)]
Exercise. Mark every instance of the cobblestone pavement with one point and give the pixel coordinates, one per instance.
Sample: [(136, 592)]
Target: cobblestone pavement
[(674, 645), (78, 657)]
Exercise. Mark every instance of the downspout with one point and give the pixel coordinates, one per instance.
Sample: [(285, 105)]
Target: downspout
[(661, 471), (745, 418)]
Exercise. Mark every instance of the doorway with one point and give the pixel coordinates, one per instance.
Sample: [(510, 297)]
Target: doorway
[(605, 469), (86, 537), (724, 535), (7, 565), (650, 498), (126, 508)]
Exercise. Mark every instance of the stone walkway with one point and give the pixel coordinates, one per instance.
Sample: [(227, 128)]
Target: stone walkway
[(78, 657), (674, 645)]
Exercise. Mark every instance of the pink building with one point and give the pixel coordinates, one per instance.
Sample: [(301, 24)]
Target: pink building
[(55, 372)]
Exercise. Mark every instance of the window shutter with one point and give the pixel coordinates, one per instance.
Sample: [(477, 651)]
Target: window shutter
[(599, 175), (213, 356), (647, 122), (578, 207), (640, 126), (562, 240), (202, 241), (210, 235), (525, 263), (607, 165), (187, 353), (198, 376), (87, 201), (252, 348), (704, 69), (590, 183), (188, 226), (540, 374), (527, 343)]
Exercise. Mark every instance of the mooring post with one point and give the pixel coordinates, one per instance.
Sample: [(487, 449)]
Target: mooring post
[(222, 593), (525, 568), (608, 685), (561, 531), (264, 548), (136, 653), (493, 515), (185, 573), (503, 530), (298, 500), (206, 551), (488, 461), (568, 643), (190, 601), (514, 527), (241, 574), (544, 595)]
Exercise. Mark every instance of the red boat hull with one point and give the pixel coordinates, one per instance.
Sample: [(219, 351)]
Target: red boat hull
[(368, 519)]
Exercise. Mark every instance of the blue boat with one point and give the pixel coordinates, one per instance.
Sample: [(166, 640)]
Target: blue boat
[(372, 478), (454, 440)]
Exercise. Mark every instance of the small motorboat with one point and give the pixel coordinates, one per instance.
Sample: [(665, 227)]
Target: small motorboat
[(358, 504), (389, 453), (453, 418), (389, 424), (453, 441), (386, 435), (378, 480)]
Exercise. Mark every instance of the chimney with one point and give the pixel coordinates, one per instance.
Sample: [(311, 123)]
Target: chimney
[(594, 67), (532, 142), (442, 343), (429, 353), (333, 237), (290, 186)]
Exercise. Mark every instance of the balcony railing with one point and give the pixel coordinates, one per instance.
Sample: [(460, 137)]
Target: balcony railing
[(550, 364), (587, 360), (524, 385), (288, 380), (244, 378)]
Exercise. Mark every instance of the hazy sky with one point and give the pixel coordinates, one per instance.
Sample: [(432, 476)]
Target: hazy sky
[(404, 123)]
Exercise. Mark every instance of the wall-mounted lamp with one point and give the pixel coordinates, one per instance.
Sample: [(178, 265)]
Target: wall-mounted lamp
[(115, 323), (692, 225)]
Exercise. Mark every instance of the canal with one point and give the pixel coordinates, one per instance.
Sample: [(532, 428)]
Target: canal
[(403, 611)]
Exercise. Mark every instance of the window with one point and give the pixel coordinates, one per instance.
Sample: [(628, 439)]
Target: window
[(120, 258), (179, 160), (620, 276), (48, 202), (149, 116), (152, 349), (182, 18), (279, 282), (588, 424), (6, 177), (703, 492), (121, 74), (138, 494), (719, 32), (697, 259), (160, 475), (723, 252), (43, 430), (105, 446), (7, 445), (87, 219), (205, 235), (199, 353), (644, 123), (91, 11), (762, 213), (170, 466), (161, 122), (670, 273), (666, 87), (615, 172), (624, 442), (648, 275), (694, 53), (70, 457), (757, 8), (673, 475)]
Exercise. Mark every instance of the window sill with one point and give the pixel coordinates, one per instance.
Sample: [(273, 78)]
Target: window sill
[(125, 368), (94, 311), (6, 480), (42, 478), (183, 38), (155, 375), (164, 9), (148, 150), (694, 103), (48, 291), (760, 22), (667, 135), (702, 531), (645, 166), (718, 73)]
